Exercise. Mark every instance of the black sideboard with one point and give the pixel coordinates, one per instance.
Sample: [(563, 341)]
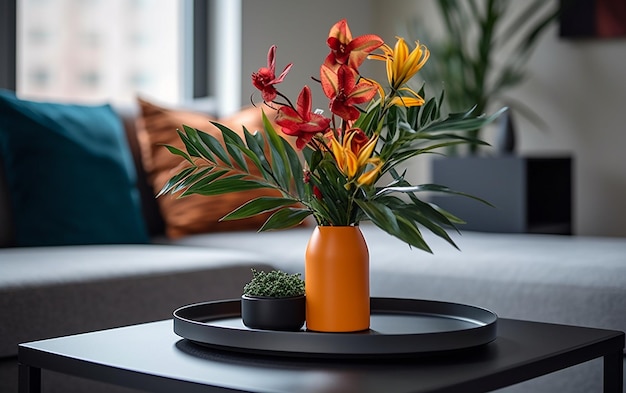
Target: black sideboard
[(528, 194)]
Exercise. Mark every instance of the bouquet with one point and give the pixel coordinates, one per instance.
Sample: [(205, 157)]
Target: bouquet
[(343, 168)]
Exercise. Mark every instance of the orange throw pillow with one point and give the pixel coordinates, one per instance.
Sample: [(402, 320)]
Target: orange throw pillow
[(192, 214)]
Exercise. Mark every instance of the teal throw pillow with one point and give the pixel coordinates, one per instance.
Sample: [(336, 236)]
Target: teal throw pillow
[(70, 174)]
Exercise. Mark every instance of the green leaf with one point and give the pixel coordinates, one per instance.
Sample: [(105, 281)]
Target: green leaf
[(394, 223), (454, 220), (188, 144), (337, 198), (229, 134), (215, 146), (447, 190), (412, 115), (428, 188), (192, 178), (367, 120), (314, 158), (173, 181), (280, 164), (427, 216), (234, 145), (258, 149), (198, 145), (296, 169), (410, 233), (463, 124), (427, 112), (417, 211), (237, 156), (380, 215), (437, 113), (206, 179), (252, 156), (285, 218), (225, 185), (258, 206), (260, 140), (178, 152)]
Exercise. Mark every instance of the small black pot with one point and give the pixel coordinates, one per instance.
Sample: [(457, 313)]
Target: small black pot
[(273, 313)]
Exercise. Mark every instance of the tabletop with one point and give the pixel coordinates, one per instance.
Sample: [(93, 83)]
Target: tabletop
[(152, 357)]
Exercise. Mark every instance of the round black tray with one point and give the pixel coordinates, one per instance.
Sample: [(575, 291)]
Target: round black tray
[(397, 327)]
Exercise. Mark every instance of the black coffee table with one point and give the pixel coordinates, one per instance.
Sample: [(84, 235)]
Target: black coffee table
[(152, 358)]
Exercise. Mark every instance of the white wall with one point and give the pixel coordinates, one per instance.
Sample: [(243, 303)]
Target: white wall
[(299, 30), (577, 87)]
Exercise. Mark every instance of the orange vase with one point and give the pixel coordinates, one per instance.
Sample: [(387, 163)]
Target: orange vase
[(336, 275)]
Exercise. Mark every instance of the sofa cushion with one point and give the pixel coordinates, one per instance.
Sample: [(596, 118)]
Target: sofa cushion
[(69, 172), (128, 113), (6, 219), (192, 214)]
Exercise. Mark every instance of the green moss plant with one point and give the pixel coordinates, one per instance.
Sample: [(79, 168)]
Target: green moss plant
[(275, 283)]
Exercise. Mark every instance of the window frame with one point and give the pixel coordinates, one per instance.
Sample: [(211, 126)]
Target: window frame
[(8, 52)]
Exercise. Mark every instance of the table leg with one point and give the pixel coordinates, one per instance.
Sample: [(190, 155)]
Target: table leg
[(614, 372), (29, 379)]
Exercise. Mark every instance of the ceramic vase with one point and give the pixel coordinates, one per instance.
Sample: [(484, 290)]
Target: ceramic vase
[(336, 276)]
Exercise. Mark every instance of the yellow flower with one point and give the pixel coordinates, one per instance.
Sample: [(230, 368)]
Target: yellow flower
[(369, 177), (354, 154), (402, 65)]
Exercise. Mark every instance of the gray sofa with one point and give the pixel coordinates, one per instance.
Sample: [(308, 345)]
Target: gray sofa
[(50, 291), (61, 290)]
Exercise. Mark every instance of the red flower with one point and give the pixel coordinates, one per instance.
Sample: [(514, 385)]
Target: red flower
[(347, 51), (265, 78), (317, 193), (345, 92), (301, 123)]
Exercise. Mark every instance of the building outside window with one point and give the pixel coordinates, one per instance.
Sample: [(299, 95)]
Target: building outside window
[(115, 50), (90, 50)]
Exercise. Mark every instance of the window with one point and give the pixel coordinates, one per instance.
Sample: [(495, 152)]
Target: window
[(94, 50), (99, 49)]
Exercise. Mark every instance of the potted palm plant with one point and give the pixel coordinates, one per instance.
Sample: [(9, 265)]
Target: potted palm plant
[(481, 55), (273, 300)]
